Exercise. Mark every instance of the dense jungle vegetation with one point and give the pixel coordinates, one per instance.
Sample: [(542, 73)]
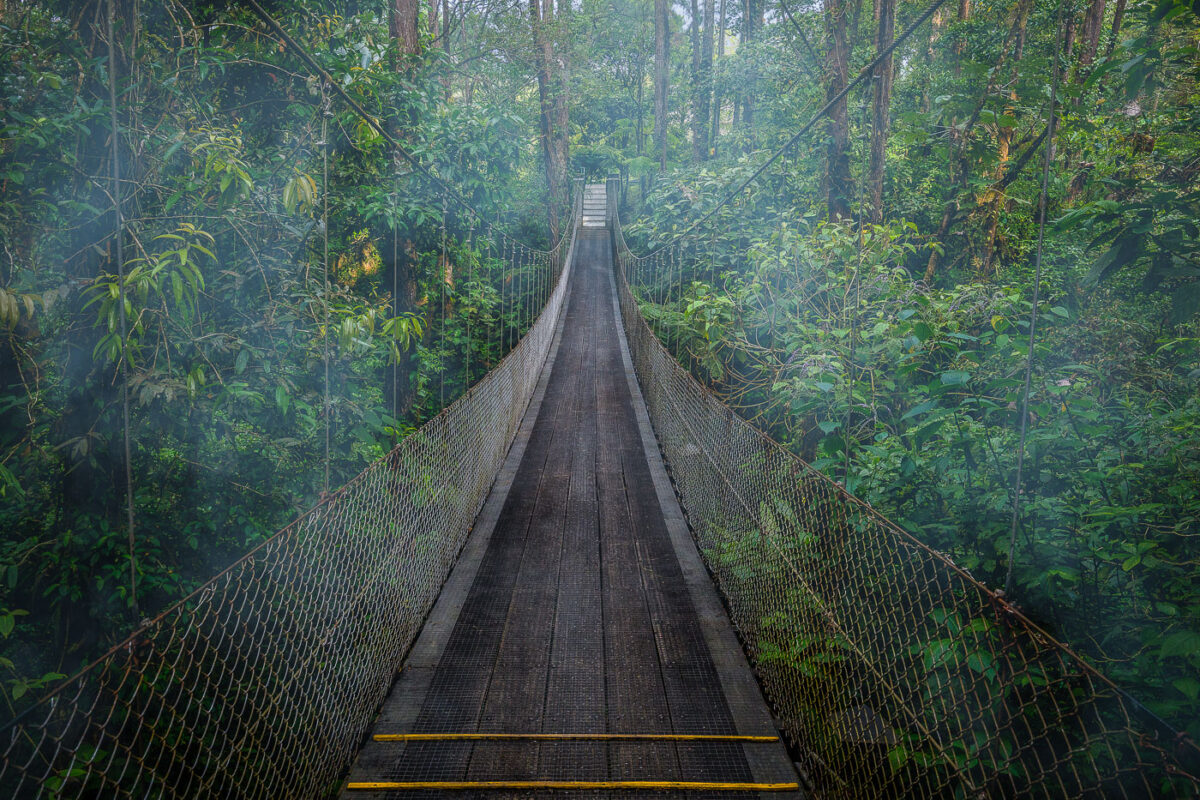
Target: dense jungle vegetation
[(867, 301)]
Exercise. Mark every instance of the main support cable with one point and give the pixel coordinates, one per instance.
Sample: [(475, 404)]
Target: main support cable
[(863, 74), (1043, 196), (119, 224), (395, 304), (325, 114), (856, 286), (374, 124)]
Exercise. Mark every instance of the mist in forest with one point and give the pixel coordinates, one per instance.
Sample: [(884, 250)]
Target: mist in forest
[(865, 300)]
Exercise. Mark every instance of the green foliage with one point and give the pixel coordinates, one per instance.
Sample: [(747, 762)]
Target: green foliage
[(223, 184), (825, 335), (822, 346)]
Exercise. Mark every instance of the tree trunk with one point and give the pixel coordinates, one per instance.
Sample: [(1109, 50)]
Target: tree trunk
[(752, 22), (1118, 18), (935, 33), (432, 23), (964, 14), (754, 12), (960, 166), (662, 76), (702, 53), (551, 79), (694, 36), (837, 75), (402, 24), (561, 122), (885, 23), (852, 31), (639, 138), (1004, 134), (717, 99), (1093, 24)]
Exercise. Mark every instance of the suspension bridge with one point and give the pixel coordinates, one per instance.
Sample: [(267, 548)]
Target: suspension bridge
[(543, 591), (587, 577)]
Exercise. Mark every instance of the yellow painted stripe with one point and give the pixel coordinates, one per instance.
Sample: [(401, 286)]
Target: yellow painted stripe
[(568, 737), (706, 786)]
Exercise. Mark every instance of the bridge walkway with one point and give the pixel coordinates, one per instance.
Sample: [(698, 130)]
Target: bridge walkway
[(579, 606)]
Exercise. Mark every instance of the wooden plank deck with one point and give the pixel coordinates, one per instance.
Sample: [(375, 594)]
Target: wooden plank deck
[(577, 608)]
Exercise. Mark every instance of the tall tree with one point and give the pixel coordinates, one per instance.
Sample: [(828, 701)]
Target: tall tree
[(704, 98), (964, 15), (694, 36), (402, 23), (752, 21), (662, 77), (1004, 135), (1118, 18), (837, 75), (702, 53), (885, 23), (551, 66), (960, 163), (1093, 25), (934, 33), (717, 99)]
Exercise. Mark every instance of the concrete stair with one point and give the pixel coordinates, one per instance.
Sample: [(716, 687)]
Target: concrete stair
[(595, 204)]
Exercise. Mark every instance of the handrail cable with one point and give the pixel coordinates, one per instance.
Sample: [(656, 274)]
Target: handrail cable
[(1180, 738), (998, 597), (509, 248)]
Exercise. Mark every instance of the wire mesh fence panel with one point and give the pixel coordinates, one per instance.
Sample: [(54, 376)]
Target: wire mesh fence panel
[(262, 682), (893, 672)]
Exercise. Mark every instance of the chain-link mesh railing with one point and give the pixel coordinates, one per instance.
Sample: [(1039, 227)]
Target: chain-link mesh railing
[(262, 682), (893, 671)]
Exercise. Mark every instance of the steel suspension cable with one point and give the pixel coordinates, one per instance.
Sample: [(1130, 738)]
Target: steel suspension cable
[(366, 117), (499, 326), (395, 305), (443, 270), (466, 313), (119, 224), (519, 299), (512, 255), (856, 286), (325, 114), (1043, 196), (863, 74)]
